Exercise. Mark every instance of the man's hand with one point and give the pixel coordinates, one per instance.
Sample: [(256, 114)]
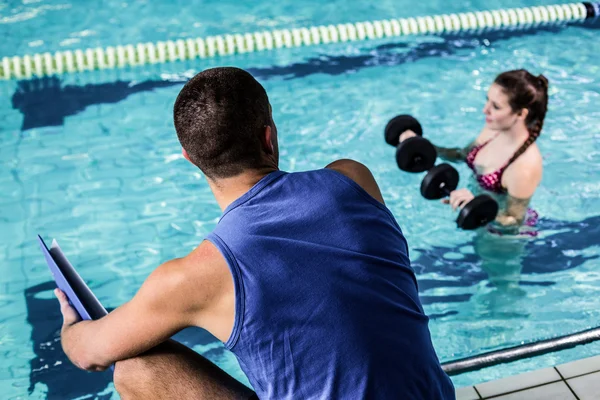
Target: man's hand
[(70, 316), (71, 332), (196, 290)]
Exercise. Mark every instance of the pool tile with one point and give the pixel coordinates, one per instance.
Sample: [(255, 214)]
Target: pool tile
[(579, 367), (553, 391), (518, 382), (467, 393), (586, 387)]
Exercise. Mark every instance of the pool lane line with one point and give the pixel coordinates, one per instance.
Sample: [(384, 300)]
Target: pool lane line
[(116, 57)]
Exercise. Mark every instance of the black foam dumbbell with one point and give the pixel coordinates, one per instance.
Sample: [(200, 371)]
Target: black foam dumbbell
[(415, 154), (441, 180)]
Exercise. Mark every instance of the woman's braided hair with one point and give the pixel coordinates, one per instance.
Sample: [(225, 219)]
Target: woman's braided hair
[(526, 91)]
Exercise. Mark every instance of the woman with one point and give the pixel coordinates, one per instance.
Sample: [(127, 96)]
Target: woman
[(507, 164), (504, 157)]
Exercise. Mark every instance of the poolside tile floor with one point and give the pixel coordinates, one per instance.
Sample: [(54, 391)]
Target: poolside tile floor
[(577, 380)]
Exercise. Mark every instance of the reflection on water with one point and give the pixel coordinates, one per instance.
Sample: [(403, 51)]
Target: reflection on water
[(501, 257), (560, 245)]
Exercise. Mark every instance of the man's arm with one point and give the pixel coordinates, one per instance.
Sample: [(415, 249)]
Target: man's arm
[(176, 295), (360, 174)]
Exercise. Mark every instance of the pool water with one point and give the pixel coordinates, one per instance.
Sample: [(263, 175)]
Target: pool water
[(93, 160)]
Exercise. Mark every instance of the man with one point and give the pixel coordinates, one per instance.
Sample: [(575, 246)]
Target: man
[(306, 277)]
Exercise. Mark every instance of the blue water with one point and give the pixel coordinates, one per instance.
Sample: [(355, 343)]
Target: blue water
[(93, 160)]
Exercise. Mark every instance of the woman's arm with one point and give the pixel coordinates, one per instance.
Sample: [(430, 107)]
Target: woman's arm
[(521, 182), (514, 212), (453, 154)]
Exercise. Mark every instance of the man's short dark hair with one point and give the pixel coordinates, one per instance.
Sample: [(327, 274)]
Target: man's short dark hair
[(219, 117)]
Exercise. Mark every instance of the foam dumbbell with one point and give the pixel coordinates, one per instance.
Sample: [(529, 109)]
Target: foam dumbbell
[(441, 180), (415, 154)]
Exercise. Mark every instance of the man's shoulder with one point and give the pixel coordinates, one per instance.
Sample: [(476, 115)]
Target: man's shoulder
[(204, 270), (203, 258), (360, 174)]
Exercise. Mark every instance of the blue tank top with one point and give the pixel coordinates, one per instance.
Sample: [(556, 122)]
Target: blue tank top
[(326, 303)]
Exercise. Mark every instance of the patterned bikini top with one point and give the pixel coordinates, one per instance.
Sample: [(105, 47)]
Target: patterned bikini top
[(491, 182)]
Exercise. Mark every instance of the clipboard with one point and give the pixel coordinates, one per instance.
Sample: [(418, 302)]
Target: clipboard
[(68, 280)]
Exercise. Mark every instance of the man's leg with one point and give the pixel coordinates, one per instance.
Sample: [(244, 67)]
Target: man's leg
[(173, 371)]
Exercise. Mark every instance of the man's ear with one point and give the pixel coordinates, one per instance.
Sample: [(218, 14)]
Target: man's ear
[(185, 154), (267, 140)]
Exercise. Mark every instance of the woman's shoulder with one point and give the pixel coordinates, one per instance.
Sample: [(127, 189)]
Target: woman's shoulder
[(529, 163), (523, 176), (532, 157)]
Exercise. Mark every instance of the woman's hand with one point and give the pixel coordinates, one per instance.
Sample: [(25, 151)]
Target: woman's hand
[(458, 198), (507, 220), (405, 135)]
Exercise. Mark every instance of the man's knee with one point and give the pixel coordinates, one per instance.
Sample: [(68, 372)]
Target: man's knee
[(131, 374), (168, 372)]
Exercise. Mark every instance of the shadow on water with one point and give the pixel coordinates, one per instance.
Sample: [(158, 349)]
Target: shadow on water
[(53, 369), (554, 252), (50, 366), (392, 54), (47, 102)]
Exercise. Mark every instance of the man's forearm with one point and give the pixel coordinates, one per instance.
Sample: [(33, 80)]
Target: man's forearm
[(81, 345)]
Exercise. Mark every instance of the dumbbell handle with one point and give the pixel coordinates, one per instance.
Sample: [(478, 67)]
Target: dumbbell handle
[(444, 189)]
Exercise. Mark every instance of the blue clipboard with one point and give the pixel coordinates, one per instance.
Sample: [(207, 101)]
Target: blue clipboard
[(69, 281)]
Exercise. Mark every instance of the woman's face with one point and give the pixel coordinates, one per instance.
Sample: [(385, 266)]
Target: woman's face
[(498, 114)]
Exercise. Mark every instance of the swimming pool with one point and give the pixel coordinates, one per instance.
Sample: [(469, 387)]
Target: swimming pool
[(92, 159)]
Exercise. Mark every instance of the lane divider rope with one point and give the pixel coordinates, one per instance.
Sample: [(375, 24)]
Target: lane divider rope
[(113, 57)]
